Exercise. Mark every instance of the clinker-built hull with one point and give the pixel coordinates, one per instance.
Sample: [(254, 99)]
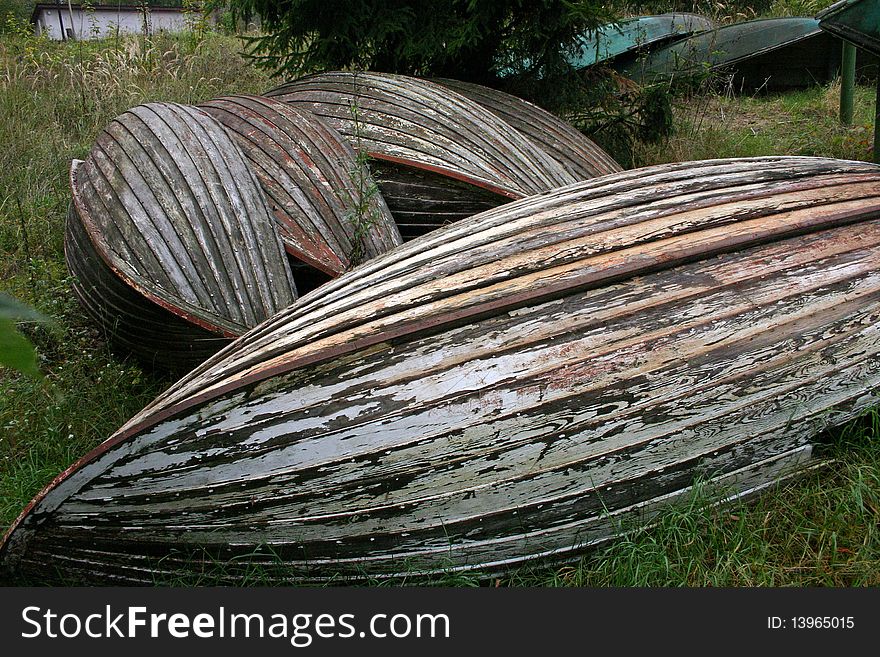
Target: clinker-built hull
[(167, 221), (440, 156), (508, 388)]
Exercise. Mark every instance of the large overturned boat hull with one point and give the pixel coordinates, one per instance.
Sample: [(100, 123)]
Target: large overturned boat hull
[(505, 389), (166, 205)]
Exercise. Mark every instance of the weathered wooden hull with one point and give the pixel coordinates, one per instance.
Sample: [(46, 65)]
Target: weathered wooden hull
[(505, 389), (768, 54), (318, 191), (453, 143), (422, 201), (129, 321), (636, 35), (169, 205), (567, 145)]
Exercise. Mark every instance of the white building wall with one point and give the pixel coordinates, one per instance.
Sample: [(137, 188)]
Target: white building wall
[(103, 22)]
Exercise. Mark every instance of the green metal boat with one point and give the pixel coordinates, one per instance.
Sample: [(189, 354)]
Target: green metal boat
[(637, 34), (768, 54), (857, 21)]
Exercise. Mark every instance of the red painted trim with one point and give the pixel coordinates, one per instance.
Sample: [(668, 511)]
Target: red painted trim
[(449, 173), (98, 243)]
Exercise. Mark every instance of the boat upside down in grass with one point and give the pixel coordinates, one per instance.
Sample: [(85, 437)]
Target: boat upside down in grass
[(518, 385), (769, 54), (437, 155), (169, 238)]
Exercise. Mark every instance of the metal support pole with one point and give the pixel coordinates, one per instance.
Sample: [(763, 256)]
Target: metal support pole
[(847, 82), (877, 124)]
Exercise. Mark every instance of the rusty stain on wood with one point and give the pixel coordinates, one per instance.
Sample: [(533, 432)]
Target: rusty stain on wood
[(504, 389), (172, 210), (312, 179)]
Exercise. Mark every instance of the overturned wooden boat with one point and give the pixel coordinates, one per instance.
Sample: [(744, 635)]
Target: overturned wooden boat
[(579, 154), (771, 54), (169, 238), (636, 35), (328, 214), (511, 387), (438, 156)]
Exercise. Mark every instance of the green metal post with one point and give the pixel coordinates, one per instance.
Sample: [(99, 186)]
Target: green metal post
[(847, 82), (877, 124)]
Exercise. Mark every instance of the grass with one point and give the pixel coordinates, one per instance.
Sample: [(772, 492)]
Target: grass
[(55, 98), (719, 124)]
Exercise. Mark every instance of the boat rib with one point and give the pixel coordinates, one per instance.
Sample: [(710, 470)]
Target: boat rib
[(316, 188), (506, 389), (166, 202)]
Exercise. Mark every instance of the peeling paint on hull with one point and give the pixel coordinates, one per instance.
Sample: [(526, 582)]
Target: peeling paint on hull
[(508, 388)]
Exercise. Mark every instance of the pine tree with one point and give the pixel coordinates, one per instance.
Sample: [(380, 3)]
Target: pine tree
[(476, 40)]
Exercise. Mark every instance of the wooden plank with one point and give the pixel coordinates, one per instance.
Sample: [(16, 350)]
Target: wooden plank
[(129, 321), (412, 120), (417, 124), (126, 568), (567, 145), (422, 201)]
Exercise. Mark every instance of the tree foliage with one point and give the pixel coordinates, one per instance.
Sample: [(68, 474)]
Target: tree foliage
[(475, 40), (14, 10)]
